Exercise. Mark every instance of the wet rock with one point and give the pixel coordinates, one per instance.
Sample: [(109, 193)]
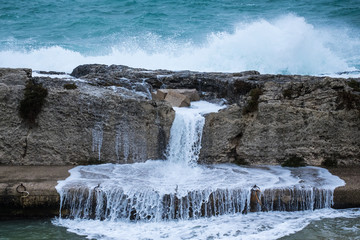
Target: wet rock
[(347, 196), (88, 125), (302, 116), (208, 85), (312, 118), (29, 191)]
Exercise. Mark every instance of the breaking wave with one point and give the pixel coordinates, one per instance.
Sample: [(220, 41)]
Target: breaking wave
[(287, 45)]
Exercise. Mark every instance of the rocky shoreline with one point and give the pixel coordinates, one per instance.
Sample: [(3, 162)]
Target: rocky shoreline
[(106, 114)]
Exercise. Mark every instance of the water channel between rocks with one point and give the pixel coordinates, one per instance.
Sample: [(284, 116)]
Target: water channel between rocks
[(178, 199)]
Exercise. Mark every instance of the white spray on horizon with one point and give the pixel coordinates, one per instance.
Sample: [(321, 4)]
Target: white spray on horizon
[(287, 45)]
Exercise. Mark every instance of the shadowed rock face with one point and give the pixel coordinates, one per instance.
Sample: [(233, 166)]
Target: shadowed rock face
[(86, 125)]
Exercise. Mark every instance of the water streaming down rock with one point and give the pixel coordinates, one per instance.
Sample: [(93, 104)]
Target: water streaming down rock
[(97, 138), (177, 189)]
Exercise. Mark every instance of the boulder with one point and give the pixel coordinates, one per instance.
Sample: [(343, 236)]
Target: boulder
[(159, 95), (177, 100), (192, 94)]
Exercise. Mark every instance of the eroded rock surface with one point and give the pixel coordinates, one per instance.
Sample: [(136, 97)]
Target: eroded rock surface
[(209, 85), (110, 117), (317, 119), (86, 125)]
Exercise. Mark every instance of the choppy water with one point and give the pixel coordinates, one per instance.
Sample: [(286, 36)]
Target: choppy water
[(321, 224), (272, 36)]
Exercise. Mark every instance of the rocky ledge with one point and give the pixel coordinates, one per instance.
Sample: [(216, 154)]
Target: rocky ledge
[(29, 191), (107, 114)]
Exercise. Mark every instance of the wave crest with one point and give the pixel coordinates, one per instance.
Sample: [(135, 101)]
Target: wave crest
[(287, 45)]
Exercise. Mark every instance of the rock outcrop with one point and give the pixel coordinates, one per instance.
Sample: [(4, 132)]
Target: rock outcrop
[(314, 118), (110, 117), (228, 86), (86, 125)]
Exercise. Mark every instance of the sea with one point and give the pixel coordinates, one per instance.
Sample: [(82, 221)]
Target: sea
[(303, 37)]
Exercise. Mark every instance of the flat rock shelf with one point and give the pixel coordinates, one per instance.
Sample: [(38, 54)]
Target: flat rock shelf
[(43, 199)]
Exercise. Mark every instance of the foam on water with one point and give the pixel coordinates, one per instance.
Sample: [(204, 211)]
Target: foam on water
[(287, 45), (254, 226)]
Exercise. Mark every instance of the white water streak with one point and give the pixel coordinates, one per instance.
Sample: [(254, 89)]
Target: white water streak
[(97, 138)]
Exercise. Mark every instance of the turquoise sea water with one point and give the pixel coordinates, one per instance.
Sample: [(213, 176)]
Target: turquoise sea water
[(272, 36)]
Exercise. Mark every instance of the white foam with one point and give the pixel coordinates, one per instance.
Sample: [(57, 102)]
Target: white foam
[(254, 226), (287, 44), (166, 178)]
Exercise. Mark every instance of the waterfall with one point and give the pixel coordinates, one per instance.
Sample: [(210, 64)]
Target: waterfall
[(186, 132), (180, 189)]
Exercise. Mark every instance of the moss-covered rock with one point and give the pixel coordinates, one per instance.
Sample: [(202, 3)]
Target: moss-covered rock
[(31, 104)]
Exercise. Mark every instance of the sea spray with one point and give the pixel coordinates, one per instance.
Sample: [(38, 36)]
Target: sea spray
[(287, 44)]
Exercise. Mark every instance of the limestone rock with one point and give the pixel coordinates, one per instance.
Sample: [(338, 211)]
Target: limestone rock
[(88, 125), (176, 97), (177, 100), (192, 94), (109, 117), (303, 116), (230, 86), (159, 95)]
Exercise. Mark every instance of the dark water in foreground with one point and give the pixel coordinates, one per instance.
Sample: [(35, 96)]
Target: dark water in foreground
[(34, 230), (329, 228)]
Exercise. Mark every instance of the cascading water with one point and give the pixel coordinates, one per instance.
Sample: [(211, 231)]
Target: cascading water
[(158, 191), (186, 132)]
